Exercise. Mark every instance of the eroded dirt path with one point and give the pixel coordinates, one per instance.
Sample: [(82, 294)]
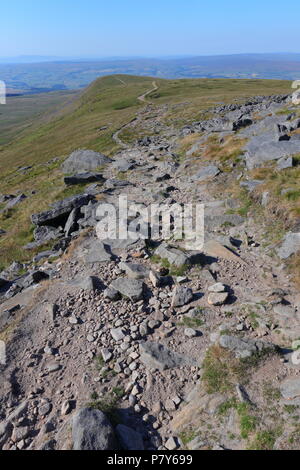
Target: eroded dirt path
[(82, 345)]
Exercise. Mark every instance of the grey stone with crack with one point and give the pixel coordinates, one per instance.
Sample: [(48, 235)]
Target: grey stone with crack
[(182, 296)]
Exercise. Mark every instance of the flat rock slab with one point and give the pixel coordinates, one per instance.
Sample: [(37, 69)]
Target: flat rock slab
[(31, 279), (157, 356), (205, 173), (116, 184), (130, 288)]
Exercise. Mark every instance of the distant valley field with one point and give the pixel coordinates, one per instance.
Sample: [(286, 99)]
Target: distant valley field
[(62, 75)]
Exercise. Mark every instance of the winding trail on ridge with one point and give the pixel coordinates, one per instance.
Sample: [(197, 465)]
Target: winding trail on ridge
[(138, 117), (143, 97)]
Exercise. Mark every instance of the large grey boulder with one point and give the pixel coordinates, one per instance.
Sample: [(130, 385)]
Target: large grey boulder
[(243, 348), (181, 296), (129, 288), (129, 439), (174, 256), (290, 245), (91, 430), (157, 356), (82, 161), (60, 210)]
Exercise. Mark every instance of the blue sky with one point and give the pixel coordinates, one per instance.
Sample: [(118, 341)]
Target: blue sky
[(97, 28)]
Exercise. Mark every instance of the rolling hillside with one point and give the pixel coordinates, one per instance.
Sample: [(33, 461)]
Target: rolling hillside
[(90, 122)]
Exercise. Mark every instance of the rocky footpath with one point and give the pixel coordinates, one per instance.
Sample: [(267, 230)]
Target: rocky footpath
[(146, 344)]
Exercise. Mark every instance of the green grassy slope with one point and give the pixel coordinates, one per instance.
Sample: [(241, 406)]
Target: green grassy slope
[(22, 112)]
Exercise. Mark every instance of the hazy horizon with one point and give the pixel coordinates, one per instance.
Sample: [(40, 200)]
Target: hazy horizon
[(38, 59)]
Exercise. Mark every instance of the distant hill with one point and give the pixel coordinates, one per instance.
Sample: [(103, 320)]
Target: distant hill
[(59, 74)]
